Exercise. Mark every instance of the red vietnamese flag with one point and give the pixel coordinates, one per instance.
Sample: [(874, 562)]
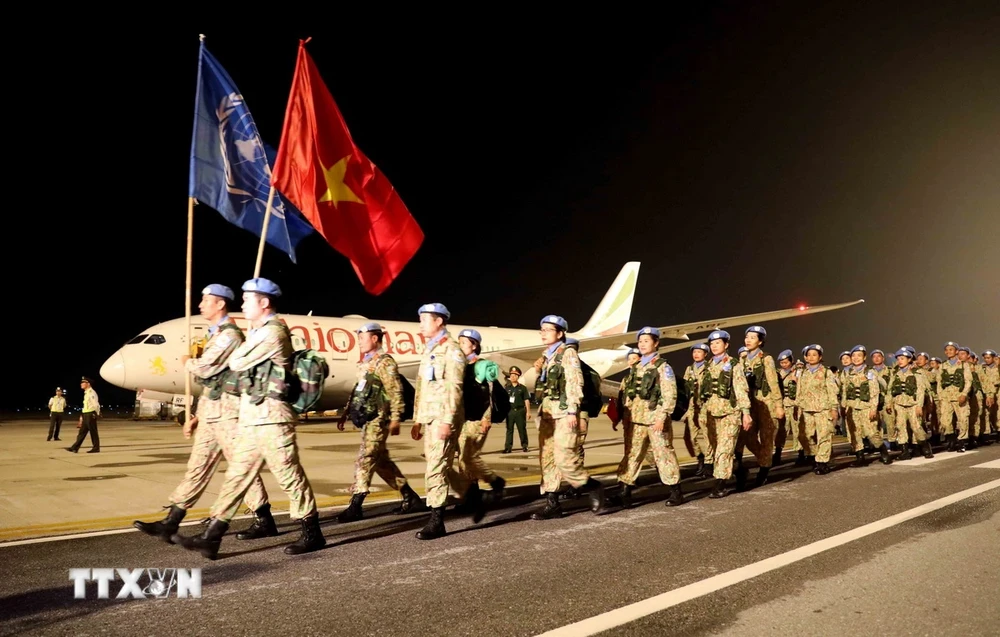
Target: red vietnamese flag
[(339, 190)]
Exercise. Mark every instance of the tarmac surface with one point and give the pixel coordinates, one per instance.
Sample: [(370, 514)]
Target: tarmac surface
[(905, 549)]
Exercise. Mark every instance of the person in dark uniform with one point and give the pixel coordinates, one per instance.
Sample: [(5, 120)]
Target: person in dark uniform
[(520, 406)]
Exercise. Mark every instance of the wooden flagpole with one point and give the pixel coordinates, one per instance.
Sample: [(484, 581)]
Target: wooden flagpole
[(263, 233), (187, 307)]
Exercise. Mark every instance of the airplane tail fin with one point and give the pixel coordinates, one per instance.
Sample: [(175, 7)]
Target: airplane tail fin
[(612, 314)]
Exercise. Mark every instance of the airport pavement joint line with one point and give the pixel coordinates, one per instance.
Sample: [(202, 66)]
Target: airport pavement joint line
[(638, 610)]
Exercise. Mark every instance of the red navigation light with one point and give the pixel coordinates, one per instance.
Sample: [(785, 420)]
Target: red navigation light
[(802, 307)]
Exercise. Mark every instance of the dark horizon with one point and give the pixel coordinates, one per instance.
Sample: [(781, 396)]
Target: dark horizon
[(751, 159)]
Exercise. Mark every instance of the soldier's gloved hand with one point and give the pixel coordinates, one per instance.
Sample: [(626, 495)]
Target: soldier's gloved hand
[(394, 428), (963, 399), (415, 432), (340, 423)]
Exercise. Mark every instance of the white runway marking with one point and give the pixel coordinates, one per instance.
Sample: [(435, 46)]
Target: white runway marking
[(993, 464), (938, 457), (632, 612)]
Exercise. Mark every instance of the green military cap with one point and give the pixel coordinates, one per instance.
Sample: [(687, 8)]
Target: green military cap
[(514, 369)]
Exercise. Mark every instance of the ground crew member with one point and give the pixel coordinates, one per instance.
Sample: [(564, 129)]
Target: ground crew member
[(652, 426), (57, 407), (88, 419), (816, 396), (695, 420), (954, 384), (907, 390), (440, 407), (561, 383), (859, 398), (726, 399), (477, 394), (266, 427), (520, 408), (216, 423), (766, 407), (376, 406)]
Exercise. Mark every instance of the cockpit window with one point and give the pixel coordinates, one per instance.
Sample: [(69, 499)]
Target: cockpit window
[(155, 339), (138, 339)]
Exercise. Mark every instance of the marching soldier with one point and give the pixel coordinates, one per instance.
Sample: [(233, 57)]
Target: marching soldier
[(991, 386), (626, 392), (652, 426), (266, 427), (57, 406), (954, 384), (520, 408), (440, 408), (376, 407), (695, 419), (976, 398), (787, 426), (882, 373), (88, 419), (766, 406), (923, 369), (907, 390), (859, 398), (217, 421), (726, 400), (817, 400), (561, 383)]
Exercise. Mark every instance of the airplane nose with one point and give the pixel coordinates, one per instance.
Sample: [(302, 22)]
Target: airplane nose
[(113, 370)]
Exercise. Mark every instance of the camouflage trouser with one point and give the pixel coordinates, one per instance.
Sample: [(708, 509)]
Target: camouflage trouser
[(274, 445), (946, 411), (977, 420), (931, 413), (212, 442), (859, 427), (727, 430), (990, 416), (788, 428), (816, 425), (581, 434), (662, 443), (760, 437), (888, 424), (440, 455), (470, 464), (702, 438), (627, 440), (907, 417), (559, 454), (373, 457)]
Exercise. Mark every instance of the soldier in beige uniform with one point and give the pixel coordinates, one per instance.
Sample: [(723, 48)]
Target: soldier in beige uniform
[(859, 398), (922, 368), (907, 390), (626, 392), (787, 426), (440, 408), (655, 398), (766, 406), (376, 407), (816, 396), (882, 373), (725, 398), (695, 420), (991, 387), (266, 427), (561, 380), (216, 422), (954, 385), (976, 398)]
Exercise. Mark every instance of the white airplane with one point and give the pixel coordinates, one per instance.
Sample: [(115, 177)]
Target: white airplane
[(151, 360)]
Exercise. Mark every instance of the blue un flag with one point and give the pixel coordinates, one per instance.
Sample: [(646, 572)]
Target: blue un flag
[(231, 165)]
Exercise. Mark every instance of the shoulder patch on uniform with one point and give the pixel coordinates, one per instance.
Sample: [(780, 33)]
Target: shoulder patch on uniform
[(727, 367), (871, 375), (668, 371), (458, 355)]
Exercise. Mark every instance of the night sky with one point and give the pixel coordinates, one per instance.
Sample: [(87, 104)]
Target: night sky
[(752, 159)]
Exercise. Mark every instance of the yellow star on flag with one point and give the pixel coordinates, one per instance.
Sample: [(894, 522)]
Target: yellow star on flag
[(336, 189)]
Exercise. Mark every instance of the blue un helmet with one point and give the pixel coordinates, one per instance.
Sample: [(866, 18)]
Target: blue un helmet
[(785, 354), (434, 308), (553, 319), (759, 331), (860, 348), (471, 334), (817, 347), (703, 347), (374, 328), (261, 285), (650, 331), (723, 334), (217, 289)]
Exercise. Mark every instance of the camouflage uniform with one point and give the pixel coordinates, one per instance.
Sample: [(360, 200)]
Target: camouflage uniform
[(882, 374), (378, 373), (929, 403), (702, 438), (788, 426), (859, 396), (954, 379), (725, 398), (907, 390), (218, 419), (977, 402), (471, 467), (816, 397), (765, 400), (559, 451), (990, 376), (655, 399)]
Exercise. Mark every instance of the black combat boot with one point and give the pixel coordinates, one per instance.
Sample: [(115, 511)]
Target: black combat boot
[(906, 452), (263, 525), (776, 458), (411, 501), (761, 478), (552, 508), (595, 490), (699, 471), (166, 527), (952, 438), (497, 484), (626, 495), (801, 460), (353, 511), (434, 527), (676, 497), (884, 455), (926, 448), (208, 542), (477, 503), (959, 444), (311, 539), (741, 474), (859, 458), (720, 489), (984, 440), (823, 468)]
